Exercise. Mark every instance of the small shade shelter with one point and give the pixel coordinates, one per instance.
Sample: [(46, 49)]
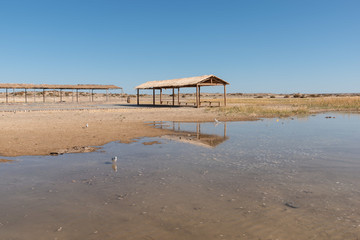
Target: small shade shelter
[(191, 82)]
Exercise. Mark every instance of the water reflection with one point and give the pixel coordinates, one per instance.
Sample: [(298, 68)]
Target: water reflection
[(200, 134), (6, 161)]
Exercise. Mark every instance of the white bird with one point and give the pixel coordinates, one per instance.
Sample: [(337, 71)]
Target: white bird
[(87, 125), (114, 159), (216, 121)]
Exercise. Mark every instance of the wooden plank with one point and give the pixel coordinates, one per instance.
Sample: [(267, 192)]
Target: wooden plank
[(7, 96), (210, 84)]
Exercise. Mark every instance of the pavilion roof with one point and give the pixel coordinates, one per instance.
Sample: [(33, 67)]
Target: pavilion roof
[(206, 80)]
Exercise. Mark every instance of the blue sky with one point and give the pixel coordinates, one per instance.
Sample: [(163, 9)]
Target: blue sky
[(278, 46)]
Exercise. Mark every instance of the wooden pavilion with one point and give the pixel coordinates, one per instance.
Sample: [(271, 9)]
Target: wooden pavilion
[(60, 87), (191, 82)]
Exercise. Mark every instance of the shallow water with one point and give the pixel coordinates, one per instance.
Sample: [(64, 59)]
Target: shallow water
[(285, 179)]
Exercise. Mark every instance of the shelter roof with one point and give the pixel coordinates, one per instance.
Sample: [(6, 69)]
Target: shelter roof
[(206, 80), (57, 86)]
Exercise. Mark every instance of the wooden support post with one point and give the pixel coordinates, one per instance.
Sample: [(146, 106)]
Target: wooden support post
[(77, 95), (89, 95), (153, 96), (107, 94), (196, 96), (224, 129), (92, 95), (72, 95), (43, 95), (60, 95), (137, 97), (179, 96), (7, 96), (160, 96), (25, 96), (199, 97), (34, 95), (13, 94), (54, 95), (173, 97), (224, 95)]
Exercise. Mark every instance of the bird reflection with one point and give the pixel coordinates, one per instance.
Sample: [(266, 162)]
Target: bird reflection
[(114, 166)]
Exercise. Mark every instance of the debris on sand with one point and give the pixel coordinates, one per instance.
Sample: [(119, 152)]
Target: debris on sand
[(291, 205), (75, 149)]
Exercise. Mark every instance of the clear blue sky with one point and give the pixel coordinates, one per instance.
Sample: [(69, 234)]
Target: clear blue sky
[(279, 46)]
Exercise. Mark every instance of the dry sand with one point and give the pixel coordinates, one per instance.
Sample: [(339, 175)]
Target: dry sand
[(63, 131)]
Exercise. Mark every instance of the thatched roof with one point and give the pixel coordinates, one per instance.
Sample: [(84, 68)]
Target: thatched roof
[(206, 80), (57, 86)]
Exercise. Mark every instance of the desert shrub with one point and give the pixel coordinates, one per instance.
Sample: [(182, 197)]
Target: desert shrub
[(272, 96)]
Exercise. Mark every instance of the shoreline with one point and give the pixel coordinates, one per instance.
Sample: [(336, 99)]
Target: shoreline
[(61, 128)]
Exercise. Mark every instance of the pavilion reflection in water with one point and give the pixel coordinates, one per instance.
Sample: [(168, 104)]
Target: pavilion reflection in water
[(194, 133)]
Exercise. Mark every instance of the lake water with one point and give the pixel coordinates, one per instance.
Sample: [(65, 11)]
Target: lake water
[(269, 179)]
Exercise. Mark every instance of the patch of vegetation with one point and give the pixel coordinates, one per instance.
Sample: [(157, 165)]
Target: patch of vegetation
[(285, 107), (265, 111)]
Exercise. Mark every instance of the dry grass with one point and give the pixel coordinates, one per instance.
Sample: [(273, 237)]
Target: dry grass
[(264, 111), (285, 107)]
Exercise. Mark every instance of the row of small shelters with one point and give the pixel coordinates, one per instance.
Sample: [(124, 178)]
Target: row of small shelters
[(60, 87), (191, 82)]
